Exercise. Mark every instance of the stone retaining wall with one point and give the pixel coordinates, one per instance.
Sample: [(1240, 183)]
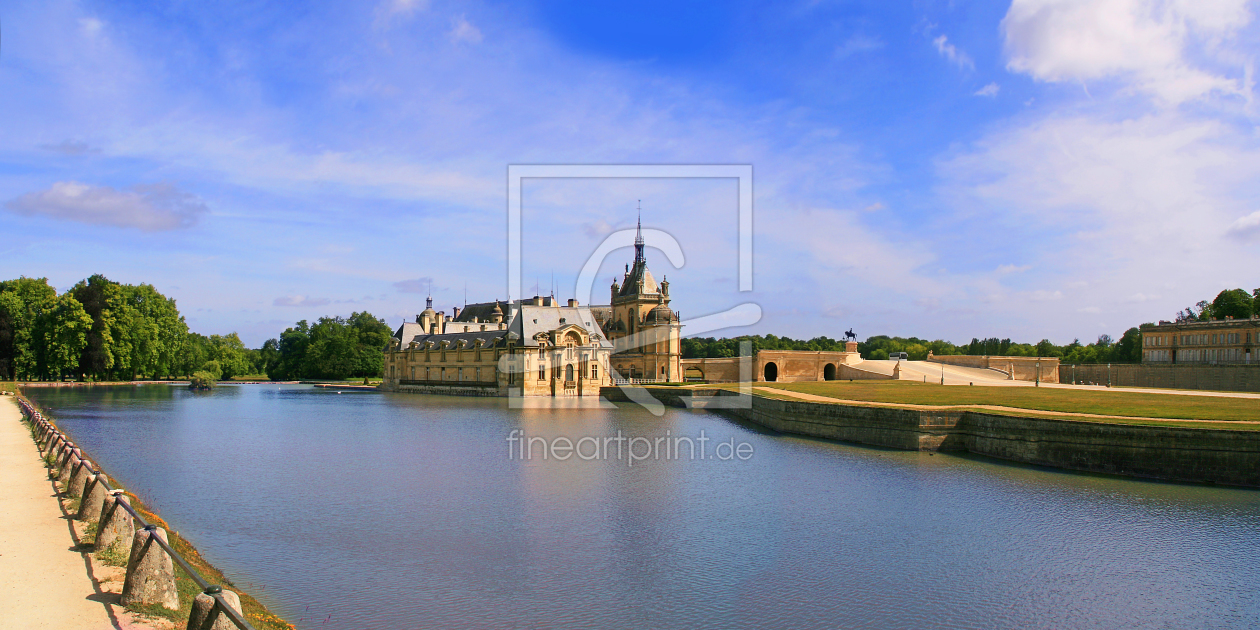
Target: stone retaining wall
[(1172, 453), (1228, 378)]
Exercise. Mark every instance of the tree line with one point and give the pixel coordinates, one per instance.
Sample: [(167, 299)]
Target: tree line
[(1104, 350), (101, 330), (1235, 303)]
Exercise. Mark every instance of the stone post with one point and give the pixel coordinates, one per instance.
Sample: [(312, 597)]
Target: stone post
[(150, 572), (67, 469), (116, 523), (203, 606), (79, 478), (94, 499)]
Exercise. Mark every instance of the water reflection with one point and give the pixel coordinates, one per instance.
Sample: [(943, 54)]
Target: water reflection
[(398, 511)]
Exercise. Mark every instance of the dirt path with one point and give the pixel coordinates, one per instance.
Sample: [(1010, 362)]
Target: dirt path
[(45, 582), (1020, 410)]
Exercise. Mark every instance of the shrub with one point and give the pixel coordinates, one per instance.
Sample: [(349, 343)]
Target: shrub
[(202, 380)]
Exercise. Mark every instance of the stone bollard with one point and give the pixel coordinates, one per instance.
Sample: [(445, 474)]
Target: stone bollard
[(67, 469), (150, 572), (116, 523), (59, 446), (204, 604), (50, 441), (63, 463), (94, 498), (79, 478)]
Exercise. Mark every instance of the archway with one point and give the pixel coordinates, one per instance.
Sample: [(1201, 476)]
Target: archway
[(829, 372), (772, 372), (693, 374), (568, 372)]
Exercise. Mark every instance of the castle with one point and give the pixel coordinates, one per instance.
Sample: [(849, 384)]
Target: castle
[(538, 347)]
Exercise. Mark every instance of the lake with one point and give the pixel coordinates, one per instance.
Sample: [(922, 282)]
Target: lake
[(370, 510)]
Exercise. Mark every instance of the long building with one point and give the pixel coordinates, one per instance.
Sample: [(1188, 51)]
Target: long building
[(539, 347), (1215, 341)]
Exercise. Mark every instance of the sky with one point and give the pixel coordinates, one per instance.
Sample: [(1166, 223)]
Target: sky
[(1032, 169)]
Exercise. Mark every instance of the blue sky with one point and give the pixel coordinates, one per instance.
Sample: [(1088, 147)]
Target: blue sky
[(1035, 169)]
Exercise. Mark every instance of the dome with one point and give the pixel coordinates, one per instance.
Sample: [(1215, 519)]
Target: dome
[(661, 315)]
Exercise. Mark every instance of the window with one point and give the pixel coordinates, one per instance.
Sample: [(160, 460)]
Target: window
[(426, 374), (542, 371), (391, 371), (413, 372), (594, 370)]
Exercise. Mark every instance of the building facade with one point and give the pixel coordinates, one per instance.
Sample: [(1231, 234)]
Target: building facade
[(1217, 341), (534, 347), (539, 347), (646, 333)]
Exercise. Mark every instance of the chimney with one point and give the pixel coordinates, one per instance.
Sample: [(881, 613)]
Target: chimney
[(573, 302), (455, 313), (538, 301)]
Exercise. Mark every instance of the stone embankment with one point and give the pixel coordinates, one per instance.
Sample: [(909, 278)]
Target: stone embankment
[(107, 524), (1172, 453)]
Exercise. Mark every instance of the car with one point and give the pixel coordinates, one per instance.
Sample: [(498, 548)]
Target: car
[(896, 356)]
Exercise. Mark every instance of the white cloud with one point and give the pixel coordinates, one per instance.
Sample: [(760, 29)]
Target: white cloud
[(951, 52), (421, 285), (1140, 297), (989, 90), (875, 207), (1246, 228), (391, 10), (1092, 310), (1146, 43), (1045, 296), (463, 31), (1006, 269), (858, 44), (300, 300), (151, 208)]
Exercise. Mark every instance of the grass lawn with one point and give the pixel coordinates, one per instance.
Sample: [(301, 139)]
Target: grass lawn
[(1108, 403)]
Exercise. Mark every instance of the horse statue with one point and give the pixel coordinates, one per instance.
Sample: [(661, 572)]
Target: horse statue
[(849, 336)]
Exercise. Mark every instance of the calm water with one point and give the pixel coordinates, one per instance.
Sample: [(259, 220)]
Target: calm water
[(393, 511)]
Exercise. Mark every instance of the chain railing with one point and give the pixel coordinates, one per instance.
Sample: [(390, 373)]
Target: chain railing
[(73, 467)]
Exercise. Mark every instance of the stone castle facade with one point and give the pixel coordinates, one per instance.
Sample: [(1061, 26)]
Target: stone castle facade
[(539, 347)]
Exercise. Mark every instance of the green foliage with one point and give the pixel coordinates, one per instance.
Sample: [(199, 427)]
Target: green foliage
[(333, 349), (203, 379), (1234, 303), (213, 368), (102, 330)]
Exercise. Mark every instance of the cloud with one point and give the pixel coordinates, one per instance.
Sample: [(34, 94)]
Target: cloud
[(1246, 228), (1140, 297), (390, 10), (1005, 269), (418, 285), (875, 207), (1045, 296), (989, 90), (857, 44), (463, 31), (1092, 310), (70, 147), (151, 208), (950, 52), (300, 300), (597, 229), (1142, 42)]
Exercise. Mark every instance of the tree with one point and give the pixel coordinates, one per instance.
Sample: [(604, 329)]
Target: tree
[(1129, 348), (23, 303), (230, 352), (1235, 303), (65, 333)]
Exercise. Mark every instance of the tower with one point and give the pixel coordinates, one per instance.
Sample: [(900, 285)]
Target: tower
[(645, 332)]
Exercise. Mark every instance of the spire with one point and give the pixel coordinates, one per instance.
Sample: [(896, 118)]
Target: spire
[(638, 237), (428, 302)]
